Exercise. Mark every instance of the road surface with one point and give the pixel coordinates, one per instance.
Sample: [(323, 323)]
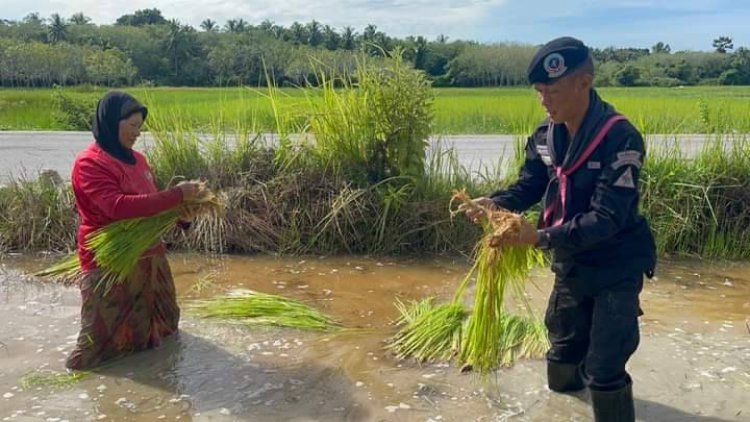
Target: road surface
[(26, 153)]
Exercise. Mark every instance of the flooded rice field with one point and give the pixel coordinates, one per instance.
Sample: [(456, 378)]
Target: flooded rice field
[(693, 363)]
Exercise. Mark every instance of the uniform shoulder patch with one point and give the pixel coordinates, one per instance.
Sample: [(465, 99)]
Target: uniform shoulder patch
[(630, 157), (626, 179)]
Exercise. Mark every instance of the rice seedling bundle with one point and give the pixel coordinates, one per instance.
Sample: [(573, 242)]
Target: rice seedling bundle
[(438, 335), (66, 270), (119, 246), (256, 308), (488, 335)]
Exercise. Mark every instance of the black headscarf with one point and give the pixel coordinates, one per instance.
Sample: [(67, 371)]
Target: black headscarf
[(111, 109)]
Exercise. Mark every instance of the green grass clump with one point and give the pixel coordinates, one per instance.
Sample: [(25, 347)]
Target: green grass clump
[(52, 379), (256, 308)]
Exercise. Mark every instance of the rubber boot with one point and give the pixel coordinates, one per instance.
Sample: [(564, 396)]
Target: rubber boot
[(613, 406), (563, 377)]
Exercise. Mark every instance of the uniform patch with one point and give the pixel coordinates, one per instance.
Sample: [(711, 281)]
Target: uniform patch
[(594, 165), (626, 179), (543, 152), (628, 158)]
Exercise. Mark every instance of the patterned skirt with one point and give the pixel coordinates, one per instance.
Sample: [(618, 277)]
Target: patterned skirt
[(132, 316)]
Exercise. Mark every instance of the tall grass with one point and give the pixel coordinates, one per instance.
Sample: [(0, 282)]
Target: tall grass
[(699, 206), (37, 214)]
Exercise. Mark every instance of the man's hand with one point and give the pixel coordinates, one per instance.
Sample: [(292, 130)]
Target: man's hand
[(527, 236), (475, 214)]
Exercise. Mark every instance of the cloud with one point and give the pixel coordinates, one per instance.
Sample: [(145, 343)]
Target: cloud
[(685, 24), (395, 17)]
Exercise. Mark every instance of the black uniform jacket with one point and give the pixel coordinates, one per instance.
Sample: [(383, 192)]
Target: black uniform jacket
[(589, 189)]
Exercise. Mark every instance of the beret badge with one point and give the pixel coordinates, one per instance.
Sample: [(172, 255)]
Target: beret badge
[(554, 65)]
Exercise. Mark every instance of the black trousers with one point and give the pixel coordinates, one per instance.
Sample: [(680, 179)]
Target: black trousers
[(594, 323)]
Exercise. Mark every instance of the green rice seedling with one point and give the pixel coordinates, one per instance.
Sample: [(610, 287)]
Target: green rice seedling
[(119, 246), (204, 283), (256, 308), (429, 331), (499, 270), (521, 337), (52, 379), (68, 268), (491, 335)]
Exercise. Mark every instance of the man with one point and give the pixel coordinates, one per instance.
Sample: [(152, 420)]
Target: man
[(584, 160)]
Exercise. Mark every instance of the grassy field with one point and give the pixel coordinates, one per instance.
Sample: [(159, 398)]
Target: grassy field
[(456, 111)]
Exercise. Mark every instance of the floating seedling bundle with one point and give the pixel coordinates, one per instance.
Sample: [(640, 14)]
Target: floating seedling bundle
[(256, 308), (489, 335)]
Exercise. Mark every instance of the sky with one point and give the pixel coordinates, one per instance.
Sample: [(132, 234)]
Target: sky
[(683, 24)]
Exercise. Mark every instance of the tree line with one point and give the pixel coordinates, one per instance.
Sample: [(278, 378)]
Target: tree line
[(146, 48)]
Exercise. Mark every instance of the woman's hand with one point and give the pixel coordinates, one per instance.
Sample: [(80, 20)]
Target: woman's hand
[(189, 190)]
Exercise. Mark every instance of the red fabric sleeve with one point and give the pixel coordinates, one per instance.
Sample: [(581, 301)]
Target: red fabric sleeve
[(102, 189)]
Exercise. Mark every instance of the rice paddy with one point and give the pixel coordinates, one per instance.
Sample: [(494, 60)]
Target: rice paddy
[(456, 110)]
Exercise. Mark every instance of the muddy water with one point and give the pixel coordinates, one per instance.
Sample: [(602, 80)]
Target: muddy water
[(693, 363)]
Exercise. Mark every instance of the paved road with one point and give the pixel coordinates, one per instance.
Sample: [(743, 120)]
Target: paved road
[(28, 152)]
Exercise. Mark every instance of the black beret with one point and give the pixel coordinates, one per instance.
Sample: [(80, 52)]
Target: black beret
[(556, 59)]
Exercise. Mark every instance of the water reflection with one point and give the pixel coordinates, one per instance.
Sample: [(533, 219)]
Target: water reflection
[(694, 359)]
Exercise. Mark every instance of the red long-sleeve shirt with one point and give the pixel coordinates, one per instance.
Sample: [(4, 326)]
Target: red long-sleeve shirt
[(108, 190)]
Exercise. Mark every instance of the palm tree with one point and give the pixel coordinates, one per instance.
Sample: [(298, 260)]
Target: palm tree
[(209, 25), (57, 28), (420, 52), (236, 25), (266, 26), (331, 38), (315, 35), (79, 19), (33, 18), (178, 44), (348, 39), (299, 35)]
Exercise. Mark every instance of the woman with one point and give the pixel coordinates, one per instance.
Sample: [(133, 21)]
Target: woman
[(112, 182)]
